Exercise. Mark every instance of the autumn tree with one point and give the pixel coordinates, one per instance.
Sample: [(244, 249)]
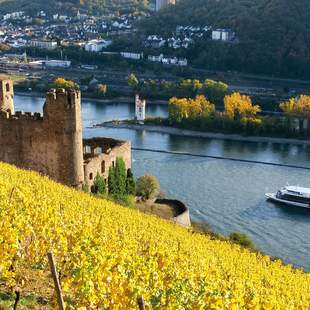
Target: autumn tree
[(192, 109), (133, 81), (240, 108), (102, 89), (298, 107), (148, 187), (61, 82), (177, 110)]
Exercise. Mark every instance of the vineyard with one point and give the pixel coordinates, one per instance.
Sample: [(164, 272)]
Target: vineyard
[(109, 255)]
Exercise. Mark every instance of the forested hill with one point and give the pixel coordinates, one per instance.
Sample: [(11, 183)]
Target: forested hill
[(92, 6), (274, 35)]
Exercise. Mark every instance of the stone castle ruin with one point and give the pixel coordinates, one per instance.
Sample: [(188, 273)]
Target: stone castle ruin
[(52, 143)]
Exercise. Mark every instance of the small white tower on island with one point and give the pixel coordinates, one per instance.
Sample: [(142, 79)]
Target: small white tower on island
[(140, 109)]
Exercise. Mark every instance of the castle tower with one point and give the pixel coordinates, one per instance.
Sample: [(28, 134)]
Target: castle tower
[(62, 113), (140, 109), (6, 95)]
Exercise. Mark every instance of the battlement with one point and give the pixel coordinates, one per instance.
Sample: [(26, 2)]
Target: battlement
[(21, 115), (62, 96)]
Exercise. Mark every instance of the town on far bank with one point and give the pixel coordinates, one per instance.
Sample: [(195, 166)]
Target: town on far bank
[(100, 51), (37, 46)]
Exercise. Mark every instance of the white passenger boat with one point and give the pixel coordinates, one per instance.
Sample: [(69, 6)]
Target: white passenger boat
[(292, 195)]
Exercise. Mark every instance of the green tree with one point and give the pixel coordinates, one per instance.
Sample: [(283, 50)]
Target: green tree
[(133, 81), (111, 181), (215, 91), (148, 187), (120, 177), (100, 187), (130, 183)]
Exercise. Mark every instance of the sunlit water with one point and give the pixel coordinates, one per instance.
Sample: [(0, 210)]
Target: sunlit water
[(228, 195)]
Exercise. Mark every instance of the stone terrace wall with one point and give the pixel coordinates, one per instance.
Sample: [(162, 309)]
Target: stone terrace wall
[(182, 216)]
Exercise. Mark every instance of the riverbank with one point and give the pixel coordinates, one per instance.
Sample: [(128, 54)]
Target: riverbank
[(98, 100), (201, 134)]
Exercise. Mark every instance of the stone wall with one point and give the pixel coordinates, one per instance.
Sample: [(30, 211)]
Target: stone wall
[(182, 216), (50, 144), (100, 154)]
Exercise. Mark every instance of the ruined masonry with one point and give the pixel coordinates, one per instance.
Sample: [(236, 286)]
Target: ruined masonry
[(52, 144)]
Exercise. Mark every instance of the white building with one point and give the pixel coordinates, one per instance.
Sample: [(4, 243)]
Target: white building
[(183, 62), (80, 16), (48, 45), (50, 64), (13, 15), (155, 58), (63, 17), (140, 109), (155, 41), (57, 63), (97, 45), (222, 35), (160, 4), (135, 56)]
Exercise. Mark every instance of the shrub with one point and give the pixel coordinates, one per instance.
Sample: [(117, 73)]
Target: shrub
[(130, 183), (102, 90), (148, 187), (99, 183), (204, 228), (242, 239), (85, 188), (129, 201)]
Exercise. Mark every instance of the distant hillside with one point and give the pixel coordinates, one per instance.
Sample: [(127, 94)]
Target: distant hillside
[(93, 6), (274, 34)]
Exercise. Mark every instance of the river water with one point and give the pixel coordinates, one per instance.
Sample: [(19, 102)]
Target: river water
[(228, 195)]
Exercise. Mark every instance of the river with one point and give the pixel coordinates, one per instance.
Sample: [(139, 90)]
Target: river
[(228, 195)]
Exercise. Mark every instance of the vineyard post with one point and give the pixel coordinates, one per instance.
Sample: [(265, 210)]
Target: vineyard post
[(141, 304), (60, 300)]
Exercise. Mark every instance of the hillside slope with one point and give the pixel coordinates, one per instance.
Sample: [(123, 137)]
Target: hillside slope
[(93, 6), (274, 35), (108, 255)]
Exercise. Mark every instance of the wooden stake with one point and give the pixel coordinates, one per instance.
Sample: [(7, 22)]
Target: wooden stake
[(60, 300), (17, 297), (140, 302)]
